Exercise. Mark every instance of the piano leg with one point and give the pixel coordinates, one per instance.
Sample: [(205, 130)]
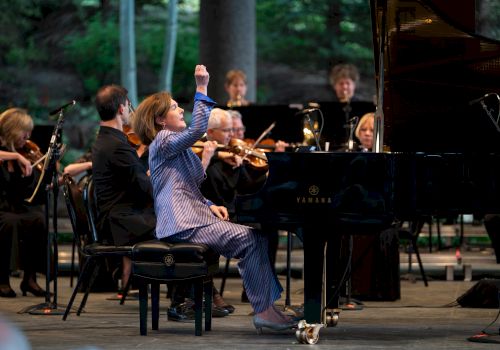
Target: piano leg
[(313, 274)]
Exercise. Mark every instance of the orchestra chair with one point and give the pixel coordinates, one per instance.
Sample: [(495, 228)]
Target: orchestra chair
[(156, 262), (90, 248), (411, 233), (90, 203)]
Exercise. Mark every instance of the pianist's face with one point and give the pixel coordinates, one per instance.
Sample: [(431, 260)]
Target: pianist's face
[(174, 120), (344, 89), (366, 134)]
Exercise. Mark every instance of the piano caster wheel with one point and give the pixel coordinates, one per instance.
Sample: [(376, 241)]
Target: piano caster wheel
[(308, 333), (332, 318)]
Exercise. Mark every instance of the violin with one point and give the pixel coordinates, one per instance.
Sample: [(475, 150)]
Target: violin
[(132, 137), (254, 158), (134, 140), (269, 145), (199, 145), (32, 152)]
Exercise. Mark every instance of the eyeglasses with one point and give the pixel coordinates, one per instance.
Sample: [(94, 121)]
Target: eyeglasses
[(239, 129), (226, 130)]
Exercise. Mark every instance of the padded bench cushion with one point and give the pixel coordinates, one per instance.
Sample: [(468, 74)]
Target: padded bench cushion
[(165, 261)]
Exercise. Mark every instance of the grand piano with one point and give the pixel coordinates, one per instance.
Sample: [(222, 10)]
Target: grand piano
[(437, 141)]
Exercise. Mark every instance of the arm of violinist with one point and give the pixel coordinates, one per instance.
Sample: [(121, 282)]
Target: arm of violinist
[(280, 146), (209, 148), (74, 169), (230, 158), (24, 164), (220, 211)]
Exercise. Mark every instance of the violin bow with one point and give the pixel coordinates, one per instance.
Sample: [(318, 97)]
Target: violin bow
[(264, 133)]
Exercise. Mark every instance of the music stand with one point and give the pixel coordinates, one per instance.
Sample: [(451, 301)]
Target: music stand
[(48, 179)]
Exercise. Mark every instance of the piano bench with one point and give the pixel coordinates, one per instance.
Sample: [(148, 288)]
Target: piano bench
[(155, 262)]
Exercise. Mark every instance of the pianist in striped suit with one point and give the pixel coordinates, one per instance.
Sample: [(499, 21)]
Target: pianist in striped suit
[(183, 214)]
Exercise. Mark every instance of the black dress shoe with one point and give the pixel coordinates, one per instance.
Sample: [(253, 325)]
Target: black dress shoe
[(181, 313), (218, 311), (36, 291), (7, 292)]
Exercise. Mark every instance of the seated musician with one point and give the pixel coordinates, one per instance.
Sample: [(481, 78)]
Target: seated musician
[(236, 88), (222, 170), (22, 226), (122, 186), (185, 215), (343, 79), (82, 165), (364, 132)]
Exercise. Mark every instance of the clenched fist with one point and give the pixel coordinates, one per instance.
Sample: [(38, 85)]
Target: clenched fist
[(202, 77)]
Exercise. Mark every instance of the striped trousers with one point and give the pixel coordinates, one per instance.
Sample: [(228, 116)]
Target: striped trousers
[(250, 246)]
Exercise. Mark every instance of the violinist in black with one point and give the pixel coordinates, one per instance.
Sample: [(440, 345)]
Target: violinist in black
[(226, 175), (122, 186), (23, 237)]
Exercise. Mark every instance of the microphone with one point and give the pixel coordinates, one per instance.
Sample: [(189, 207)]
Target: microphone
[(353, 120), (477, 100), (306, 111), (63, 107)]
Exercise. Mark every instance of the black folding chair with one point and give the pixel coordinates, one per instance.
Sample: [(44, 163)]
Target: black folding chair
[(91, 250)]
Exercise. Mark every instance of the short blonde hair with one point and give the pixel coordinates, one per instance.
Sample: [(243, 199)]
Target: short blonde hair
[(234, 74), (144, 119), (13, 123), (364, 119)]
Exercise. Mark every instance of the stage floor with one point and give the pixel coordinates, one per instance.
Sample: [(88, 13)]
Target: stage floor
[(423, 318)]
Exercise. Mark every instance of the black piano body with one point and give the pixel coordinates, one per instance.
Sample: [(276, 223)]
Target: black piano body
[(444, 142), (364, 193)]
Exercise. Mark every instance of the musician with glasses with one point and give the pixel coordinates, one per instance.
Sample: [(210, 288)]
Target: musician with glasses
[(23, 230)]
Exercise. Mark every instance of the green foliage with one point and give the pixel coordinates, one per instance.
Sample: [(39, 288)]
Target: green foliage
[(302, 27), (95, 53), (151, 39)]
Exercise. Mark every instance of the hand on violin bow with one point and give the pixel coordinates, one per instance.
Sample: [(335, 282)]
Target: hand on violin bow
[(207, 152), (230, 158), (280, 146), (220, 211), (24, 164), (202, 77), (209, 148)]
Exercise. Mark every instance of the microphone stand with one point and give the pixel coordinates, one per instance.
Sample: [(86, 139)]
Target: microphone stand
[(348, 125), (488, 111), (50, 177), (350, 142)]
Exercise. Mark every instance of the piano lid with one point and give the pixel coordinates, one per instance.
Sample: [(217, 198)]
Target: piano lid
[(434, 70)]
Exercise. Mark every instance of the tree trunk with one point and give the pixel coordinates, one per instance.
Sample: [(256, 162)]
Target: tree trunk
[(227, 41), (128, 68), (167, 63)]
